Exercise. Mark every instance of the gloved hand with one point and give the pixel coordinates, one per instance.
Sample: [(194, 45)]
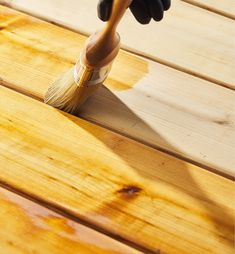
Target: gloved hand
[(143, 10)]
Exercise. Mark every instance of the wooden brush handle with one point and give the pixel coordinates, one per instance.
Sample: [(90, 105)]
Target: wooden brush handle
[(103, 46), (118, 9)]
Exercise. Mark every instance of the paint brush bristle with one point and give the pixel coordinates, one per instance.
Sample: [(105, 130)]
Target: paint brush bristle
[(63, 94)]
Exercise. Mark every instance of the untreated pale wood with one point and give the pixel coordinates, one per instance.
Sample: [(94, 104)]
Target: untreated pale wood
[(224, 7), (26, 227), (189, 38), (150, 102), (122, 186)]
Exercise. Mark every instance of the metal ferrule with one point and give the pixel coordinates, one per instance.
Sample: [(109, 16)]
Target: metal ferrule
[(85, 76)]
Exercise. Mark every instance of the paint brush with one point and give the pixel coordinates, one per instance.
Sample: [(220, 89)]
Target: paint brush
[(72, 89)]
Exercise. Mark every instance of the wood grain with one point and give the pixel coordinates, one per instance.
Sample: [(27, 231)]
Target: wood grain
[(26, 227), (225, 7), (121, 186), (147, 101), (189, 38)]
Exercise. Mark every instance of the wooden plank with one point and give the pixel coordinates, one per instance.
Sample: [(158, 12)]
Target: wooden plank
[(145, 100), (187, 39), (225, 7), (121, 186), (26, 227)]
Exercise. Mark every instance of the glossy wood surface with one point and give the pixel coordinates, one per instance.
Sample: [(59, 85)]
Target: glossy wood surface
[(115, 183), (26, 228)]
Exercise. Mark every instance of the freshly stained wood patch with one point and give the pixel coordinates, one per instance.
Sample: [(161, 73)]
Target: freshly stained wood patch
[(121, 186), (147, 101), (26, 227), (188, 38)]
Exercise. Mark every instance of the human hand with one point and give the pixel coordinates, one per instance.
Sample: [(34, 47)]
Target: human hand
[(143, 10)]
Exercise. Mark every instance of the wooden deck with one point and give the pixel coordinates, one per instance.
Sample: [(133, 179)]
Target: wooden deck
[(148, 165)]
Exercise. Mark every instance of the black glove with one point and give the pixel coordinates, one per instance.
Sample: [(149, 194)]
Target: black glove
[(143, 10)]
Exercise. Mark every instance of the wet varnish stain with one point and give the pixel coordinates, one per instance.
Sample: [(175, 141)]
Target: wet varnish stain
[(36, 229)]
